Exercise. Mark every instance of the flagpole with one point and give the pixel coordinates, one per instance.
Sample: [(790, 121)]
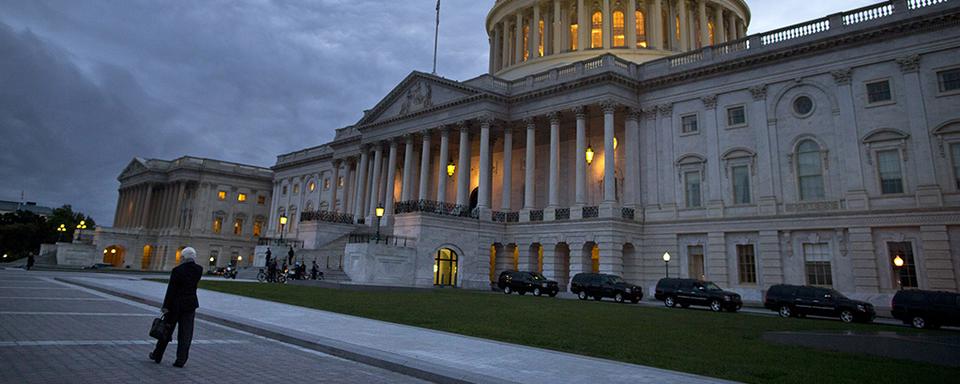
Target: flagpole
[(436, 38)]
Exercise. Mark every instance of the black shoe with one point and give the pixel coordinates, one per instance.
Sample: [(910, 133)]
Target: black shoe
[(179, 364), (156, 359)]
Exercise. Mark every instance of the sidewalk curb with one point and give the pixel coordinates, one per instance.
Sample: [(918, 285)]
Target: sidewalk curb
[(406, 366)]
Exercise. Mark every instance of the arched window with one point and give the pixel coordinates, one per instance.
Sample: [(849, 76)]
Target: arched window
[(540, 42), (526, 42), (641, 30), (596, 30), (574, 30), (619, 37), (810, 171), (711, 29)]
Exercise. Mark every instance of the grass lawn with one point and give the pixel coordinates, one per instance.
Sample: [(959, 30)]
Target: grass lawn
[(723, 345)]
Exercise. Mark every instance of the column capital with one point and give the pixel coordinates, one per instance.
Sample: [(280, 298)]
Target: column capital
[(634, 114), (609, 106), (759, 92), (444, 129), (580, 111), (842, 76), (554, 117), (463, 126), (530, 122), (337, 162), (666, 110), (486, 119), (909, 64), (425, 132), (650, 113), (709, 101)]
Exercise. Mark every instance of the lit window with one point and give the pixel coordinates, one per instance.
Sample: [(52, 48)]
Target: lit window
[(540, 43), (284, 190), (691, 181), (261, 199), (949, 80), (746, 264), (526, 42), (574, 36), (676, 30), (641, 30), (619, 38), (312, 186), (710, 30), (340, 182), (596, 30), (741, 184), (217, 224), (736, 116), (908, 272), (810, 171), (688, 124), (238, 227), (888, 166), (241, 197), (326, 184), (257, 228), (878, 92), (955, 152), (222, 195), (296, 189), (817, 264)]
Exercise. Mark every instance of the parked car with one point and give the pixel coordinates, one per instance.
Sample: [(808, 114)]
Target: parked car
[(523, 282), (794, 300), (926, 309), (600, 285), (687, 292)]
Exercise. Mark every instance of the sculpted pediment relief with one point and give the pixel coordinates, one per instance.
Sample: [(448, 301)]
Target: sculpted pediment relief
[(135, 167), (416, 93)]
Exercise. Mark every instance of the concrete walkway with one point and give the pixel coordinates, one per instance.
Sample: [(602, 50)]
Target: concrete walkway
[(434, 355)]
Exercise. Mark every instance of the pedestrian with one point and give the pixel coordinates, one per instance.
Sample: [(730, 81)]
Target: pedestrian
[(180, 305), (269, 254), (272, 271), (290, 256), (315, 270), (30, 260)]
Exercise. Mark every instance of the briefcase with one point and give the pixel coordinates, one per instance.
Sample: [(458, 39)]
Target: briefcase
[(160, 329)]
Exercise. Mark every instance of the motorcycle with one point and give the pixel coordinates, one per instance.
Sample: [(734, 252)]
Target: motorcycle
[(230, 273)]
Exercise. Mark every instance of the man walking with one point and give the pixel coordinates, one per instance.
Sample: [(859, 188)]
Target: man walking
[(269, 255), (180, 305), (31, 260)]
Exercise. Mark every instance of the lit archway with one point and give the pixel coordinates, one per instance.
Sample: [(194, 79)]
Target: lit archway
[(177, 256), (113, 255), (147, 257), (445, 267)]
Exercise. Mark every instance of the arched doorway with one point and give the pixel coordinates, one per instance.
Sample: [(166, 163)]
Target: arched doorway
[(445, 267), (113, 255), (473, 199), (147, 257)]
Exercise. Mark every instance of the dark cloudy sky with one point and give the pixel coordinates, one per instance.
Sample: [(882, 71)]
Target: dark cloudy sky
[(86, 85)]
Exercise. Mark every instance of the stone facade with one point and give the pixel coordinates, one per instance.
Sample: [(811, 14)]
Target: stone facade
[(218, 208)]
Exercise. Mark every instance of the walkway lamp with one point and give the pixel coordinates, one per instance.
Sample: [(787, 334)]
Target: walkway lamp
[(60, 230), (590, 154), (451, 168), (379, 212), (666, 262), (81, 227), (897, 266), (283, 222)]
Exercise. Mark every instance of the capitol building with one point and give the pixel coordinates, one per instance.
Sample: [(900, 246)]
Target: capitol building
[(610, 132)]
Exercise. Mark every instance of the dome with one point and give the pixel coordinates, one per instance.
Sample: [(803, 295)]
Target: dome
[(530, 36)]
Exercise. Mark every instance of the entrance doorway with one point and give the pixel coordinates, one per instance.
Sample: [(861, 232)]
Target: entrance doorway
[(445, 268), (113, 255), (695, 268)]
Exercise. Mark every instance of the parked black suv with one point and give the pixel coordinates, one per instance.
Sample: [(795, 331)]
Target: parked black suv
[(687, 292), (794, 300), (523, 282), (926, 309), (599, 285)]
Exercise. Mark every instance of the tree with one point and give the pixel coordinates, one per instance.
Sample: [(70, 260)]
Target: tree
[(22, 232)]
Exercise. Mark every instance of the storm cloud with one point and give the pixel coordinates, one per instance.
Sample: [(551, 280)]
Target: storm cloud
[(85, 86)]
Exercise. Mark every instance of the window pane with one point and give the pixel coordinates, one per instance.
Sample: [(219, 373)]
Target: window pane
[(736, 116), (747, 264), (693, 189), (907, 273), (949, 80), (689, 124), (817, 264), (878, 91), (741, 185), (888, 163), (810, 171), (596, 33), (641, 30), (619, 38)]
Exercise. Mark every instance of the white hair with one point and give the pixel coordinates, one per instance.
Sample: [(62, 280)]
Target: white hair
[(188, 254)]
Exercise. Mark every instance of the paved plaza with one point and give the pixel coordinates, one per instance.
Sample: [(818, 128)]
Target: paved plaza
[(51, 332)]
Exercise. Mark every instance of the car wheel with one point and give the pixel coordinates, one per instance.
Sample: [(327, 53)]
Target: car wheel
[(618, 297), (669, 302), (582, 295), (715, 306), (536, 292), (846, 316), (786, 311), (507, 290), (919, 322)]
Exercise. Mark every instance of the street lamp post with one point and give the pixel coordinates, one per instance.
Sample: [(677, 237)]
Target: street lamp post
[(666, 262), (60, 230), (283, 222), (80, 228), (379, 215), (897, 265)]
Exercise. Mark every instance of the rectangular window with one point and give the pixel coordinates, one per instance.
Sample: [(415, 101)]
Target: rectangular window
[(222, 195), (695, 253), (261, 199), (955, 151), (746, 264), (340, 182), (284, 190), (810, 176), (688, 124), (907, 274), (888, 165), (817, 258), (573, 36), (238, 227), (257, 228), (741, 184), (878, 92), (326, 184), (692, 188), (736, 116), (296, 189), (241, 197), (949, 80), (217, 224)]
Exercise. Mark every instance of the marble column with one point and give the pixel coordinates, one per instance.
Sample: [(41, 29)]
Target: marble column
[(360, 184), (929, 193), (855, 194), (704, 28), (712, 133), (423, 194), (655, 34), (553, 199), (529, 180), (535, 33), (607, 25), (583, 26), (609, 159), (684, 26), (332, 203), (558, 28), (719, 30), (507, 168), (390, 184), (732, 26), (146, 207), (504, 45), (375, 180), (519, 47), (463, 166), (442, 167), (407, 183), (631, 177), (580, 188), (631, 27), (483, 193)]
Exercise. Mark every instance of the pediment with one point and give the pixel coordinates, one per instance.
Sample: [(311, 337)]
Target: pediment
[(416, 93), (948, 128), (881, 135), (135, 167)]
